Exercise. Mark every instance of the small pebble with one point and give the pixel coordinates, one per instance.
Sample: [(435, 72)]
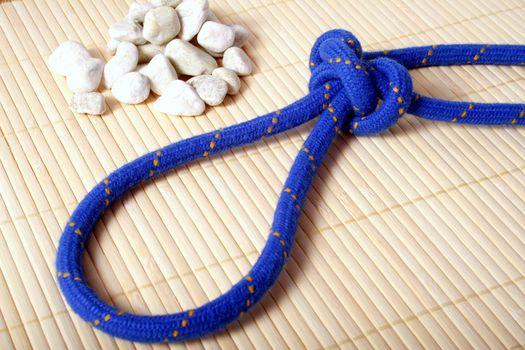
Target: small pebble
[(137, 10), (131, 88), (112, 45), (85, 75), (141, 68), (238, 61), (212, 17), (188, 59), (161, 25), (230, 77), (211, 90), (216, 37), (148, 51), (66, 56), (192, 14), (171, 3), (160, 73), (180, 99), (241, 35), (127, 30), (215, 54), (88, 103), (124, 61)]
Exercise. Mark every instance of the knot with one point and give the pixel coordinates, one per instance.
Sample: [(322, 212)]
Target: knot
[(377, 92)]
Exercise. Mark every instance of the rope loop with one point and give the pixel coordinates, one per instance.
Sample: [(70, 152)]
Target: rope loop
[(362, 93)]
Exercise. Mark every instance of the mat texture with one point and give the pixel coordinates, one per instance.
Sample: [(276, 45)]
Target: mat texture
[(411, 239)]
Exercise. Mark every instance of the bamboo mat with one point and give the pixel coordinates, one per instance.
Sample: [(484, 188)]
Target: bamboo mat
[(411, 239)]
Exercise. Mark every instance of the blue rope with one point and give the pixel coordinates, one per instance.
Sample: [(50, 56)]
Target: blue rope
[(346, 88)]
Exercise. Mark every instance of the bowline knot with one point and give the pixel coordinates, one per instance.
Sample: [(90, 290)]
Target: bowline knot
[(376, 93)]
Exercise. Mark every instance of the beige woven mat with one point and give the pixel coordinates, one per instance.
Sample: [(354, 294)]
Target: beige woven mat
[(413, 239)]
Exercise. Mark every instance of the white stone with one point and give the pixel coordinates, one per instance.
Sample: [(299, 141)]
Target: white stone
[(137, 10), (148, 51), (127, 30), (66, 55), (231, 79), (131, 88), (141, 68), (124, 61), (188, 59), (160, 73), (192, 14), (171, 3), (161, 25), (85, 75), (212, 17), (112, 45), (215, 54), (88, 103), (238, 61), (216, 37), (180, 99), (241, 35), (211, 90)]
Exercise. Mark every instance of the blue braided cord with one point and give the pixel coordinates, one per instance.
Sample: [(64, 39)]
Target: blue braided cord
[(350, 91), (457, 54)]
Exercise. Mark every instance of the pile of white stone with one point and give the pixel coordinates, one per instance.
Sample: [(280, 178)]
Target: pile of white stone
[(151, 48)]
